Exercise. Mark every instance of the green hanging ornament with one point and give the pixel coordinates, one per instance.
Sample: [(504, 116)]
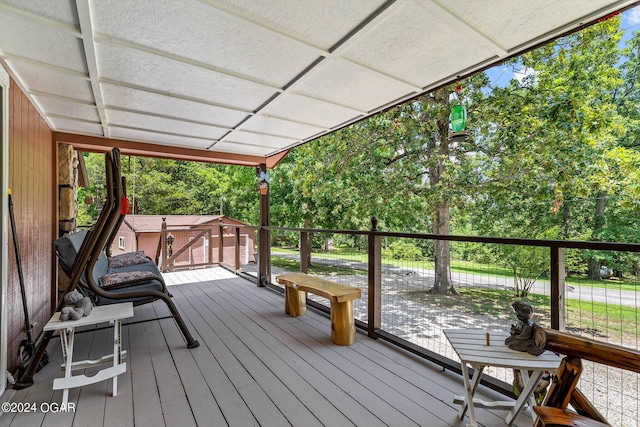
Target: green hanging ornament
[(458, 118)]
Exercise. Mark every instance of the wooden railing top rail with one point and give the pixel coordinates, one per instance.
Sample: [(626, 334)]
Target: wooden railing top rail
[(563, 390), (569, 244), (595, 351)]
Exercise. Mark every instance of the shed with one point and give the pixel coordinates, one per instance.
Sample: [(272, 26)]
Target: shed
[(142, 233)]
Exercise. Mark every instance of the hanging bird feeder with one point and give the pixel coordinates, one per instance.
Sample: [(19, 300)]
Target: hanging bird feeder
[(458, 118)]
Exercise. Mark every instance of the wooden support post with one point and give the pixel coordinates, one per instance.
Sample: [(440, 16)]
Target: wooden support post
[(209, 247), (375, 281), (559, 394), (557, 288), (237, 249), (162, 247), (264, 236), (220, 244)]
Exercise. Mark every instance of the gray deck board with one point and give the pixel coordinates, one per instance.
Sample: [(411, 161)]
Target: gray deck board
[(353, 375), (147, 408), (120, 411), (240, 344), (91, 411), (338, 387), (171, 387), (256, 366), (264, 410), (270, 352)]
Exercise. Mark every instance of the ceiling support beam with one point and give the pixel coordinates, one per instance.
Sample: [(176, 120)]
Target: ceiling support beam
[(88, 42), (97, 144)]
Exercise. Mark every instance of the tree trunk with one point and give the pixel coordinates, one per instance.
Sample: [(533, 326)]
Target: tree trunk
[(598, 224), (307, 224), (438, 156), (442, 251), (566, 216)]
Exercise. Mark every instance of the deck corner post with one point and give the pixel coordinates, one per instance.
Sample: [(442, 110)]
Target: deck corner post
[(374, 280)]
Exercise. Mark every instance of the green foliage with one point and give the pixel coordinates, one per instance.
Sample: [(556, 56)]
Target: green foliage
[(403, 250), (540, 151), (160, 186)]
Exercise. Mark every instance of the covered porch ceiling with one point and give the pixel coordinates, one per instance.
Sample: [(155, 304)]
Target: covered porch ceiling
[(244, 81)]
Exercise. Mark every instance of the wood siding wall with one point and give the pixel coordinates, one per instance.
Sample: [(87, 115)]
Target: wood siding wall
[(32, 179)]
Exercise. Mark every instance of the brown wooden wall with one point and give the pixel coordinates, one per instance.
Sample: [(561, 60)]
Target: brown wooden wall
[(32, 179)]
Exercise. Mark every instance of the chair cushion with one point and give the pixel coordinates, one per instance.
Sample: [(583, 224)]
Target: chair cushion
[(127, 259), (127, 278), (68, 247)]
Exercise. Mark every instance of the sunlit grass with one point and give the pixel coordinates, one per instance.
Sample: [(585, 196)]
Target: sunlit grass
[(471, 268), (597, 318), (600, 318), (315, 268)]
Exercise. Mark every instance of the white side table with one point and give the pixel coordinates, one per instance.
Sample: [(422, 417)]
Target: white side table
[(471, 346), (113, 313)]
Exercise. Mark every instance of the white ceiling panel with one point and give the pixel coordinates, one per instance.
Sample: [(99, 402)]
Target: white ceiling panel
[(30, 40), (310, 111), (411, 43), (256, 78), (62, 11), (521, 28), (63, 124), (68, 108), (260, 139), (159, 138), (169, 106), (246, 149), (145, 70), (368, 89), (196, 32), (161, 124), (321, 23), (275, 126), (39, 79)]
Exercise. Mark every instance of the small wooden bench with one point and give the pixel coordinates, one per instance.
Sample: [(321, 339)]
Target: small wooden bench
[(564, 391), (296, 285)]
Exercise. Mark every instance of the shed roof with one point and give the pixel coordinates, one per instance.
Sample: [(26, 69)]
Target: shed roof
[(153, 223)]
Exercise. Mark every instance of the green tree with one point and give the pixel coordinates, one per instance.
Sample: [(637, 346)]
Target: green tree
[(560, 123)]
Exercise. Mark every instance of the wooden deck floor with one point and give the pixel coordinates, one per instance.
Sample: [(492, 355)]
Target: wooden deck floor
[(255, 366)]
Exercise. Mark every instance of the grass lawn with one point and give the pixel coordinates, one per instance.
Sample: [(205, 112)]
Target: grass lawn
[(467, 267), (291, 265), (600, 319)]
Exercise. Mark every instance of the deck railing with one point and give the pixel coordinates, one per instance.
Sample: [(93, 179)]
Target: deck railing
[(188, 246), (396, 272)]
